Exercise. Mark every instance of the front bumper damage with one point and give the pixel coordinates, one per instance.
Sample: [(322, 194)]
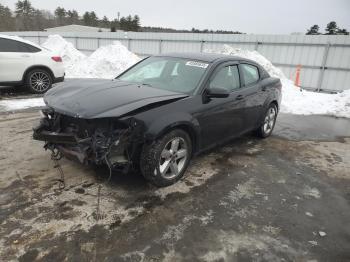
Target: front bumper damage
[(91, 141)]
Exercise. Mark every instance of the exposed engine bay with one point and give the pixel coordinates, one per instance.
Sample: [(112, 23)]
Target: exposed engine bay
[(90, 141)]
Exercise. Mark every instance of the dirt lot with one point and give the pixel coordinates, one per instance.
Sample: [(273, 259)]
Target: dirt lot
[(286, 198)]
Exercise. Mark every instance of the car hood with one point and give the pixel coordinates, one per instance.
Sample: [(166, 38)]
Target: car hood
[(97, 98)]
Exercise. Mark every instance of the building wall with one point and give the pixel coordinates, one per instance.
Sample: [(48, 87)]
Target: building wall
[(324, 60)]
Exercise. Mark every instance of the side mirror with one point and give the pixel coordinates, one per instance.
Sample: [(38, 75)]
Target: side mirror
[(217, 92)]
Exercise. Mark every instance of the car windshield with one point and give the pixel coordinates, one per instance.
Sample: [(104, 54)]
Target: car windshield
[(169, 73)]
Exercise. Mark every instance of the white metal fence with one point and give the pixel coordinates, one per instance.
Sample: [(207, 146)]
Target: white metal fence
[(324, 60)]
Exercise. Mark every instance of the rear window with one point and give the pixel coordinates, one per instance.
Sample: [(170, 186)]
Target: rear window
[(8, 45), (250, 74)]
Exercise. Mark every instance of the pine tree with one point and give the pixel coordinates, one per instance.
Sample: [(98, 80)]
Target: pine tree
[(314, 30), (331, 28), (60, 14), (129, 23), (24, 15), (136, 23), (87, 19), (27, 18), (123, 24), (342, 32), (73, 17), (105, 22), (93, 19), (115, 24), (24, 8)]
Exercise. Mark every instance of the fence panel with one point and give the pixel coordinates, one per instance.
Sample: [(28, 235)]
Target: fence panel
[(325, 60)]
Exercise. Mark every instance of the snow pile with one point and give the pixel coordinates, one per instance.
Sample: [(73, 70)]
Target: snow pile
[(304, 102), (70, 55), (295, 101), (18, 104), (106, 62)]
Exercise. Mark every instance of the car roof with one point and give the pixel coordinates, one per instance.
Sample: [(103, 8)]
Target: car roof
[(206, 57), (20, 39)]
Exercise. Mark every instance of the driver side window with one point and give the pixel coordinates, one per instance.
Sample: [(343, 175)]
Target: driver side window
[(227, 78)]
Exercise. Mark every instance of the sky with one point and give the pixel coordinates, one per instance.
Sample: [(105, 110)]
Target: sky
[(249, 16)]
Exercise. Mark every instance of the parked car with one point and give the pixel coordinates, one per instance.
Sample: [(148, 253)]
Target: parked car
[(160, 113), (25, 63)]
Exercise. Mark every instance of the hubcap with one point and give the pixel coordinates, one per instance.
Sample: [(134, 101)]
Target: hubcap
[(269, 120), (173, 158), (40, 81)]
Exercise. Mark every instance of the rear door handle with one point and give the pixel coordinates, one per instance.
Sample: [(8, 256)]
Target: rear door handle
[(263, 88), (25, 55), (239, 97)]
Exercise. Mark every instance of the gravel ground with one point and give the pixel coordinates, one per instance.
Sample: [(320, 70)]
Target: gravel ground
[(285, 198)]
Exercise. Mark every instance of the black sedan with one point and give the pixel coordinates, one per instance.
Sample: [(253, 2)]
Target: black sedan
[(159, 113)]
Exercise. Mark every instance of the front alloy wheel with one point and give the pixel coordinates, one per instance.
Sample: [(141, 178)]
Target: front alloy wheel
[(173, 158), (165, 161)]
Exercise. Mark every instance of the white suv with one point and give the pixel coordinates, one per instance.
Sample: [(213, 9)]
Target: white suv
[(25, 63)]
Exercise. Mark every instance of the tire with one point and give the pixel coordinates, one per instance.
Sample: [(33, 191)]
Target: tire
[(159, 159), (269, 121), (38, 81)]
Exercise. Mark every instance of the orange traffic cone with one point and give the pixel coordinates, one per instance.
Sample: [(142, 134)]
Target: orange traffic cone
[(297, 76)]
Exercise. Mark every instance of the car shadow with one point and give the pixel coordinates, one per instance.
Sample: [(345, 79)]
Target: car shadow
[(236, 143), (17, 92), (133, 180), (14, 92)]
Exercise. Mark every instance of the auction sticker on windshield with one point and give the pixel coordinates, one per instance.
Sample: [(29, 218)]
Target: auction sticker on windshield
[(197, 64)]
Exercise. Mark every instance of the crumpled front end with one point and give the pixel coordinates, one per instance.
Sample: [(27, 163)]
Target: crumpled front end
[(90, 141)]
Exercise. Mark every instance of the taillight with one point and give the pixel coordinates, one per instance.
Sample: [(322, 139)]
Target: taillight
[(56, 58)]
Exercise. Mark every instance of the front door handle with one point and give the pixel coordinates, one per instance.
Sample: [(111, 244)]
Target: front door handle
[(263, 88), (239, 97)]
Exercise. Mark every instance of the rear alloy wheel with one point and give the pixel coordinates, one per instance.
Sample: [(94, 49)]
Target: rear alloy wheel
[(38, 81), (267, 126), (165, 161)]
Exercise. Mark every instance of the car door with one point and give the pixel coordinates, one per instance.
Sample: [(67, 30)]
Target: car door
[(15, 58), (222, 118), (253, 93)]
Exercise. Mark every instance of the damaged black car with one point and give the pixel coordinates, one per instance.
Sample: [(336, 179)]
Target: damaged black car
[(159, 113)]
